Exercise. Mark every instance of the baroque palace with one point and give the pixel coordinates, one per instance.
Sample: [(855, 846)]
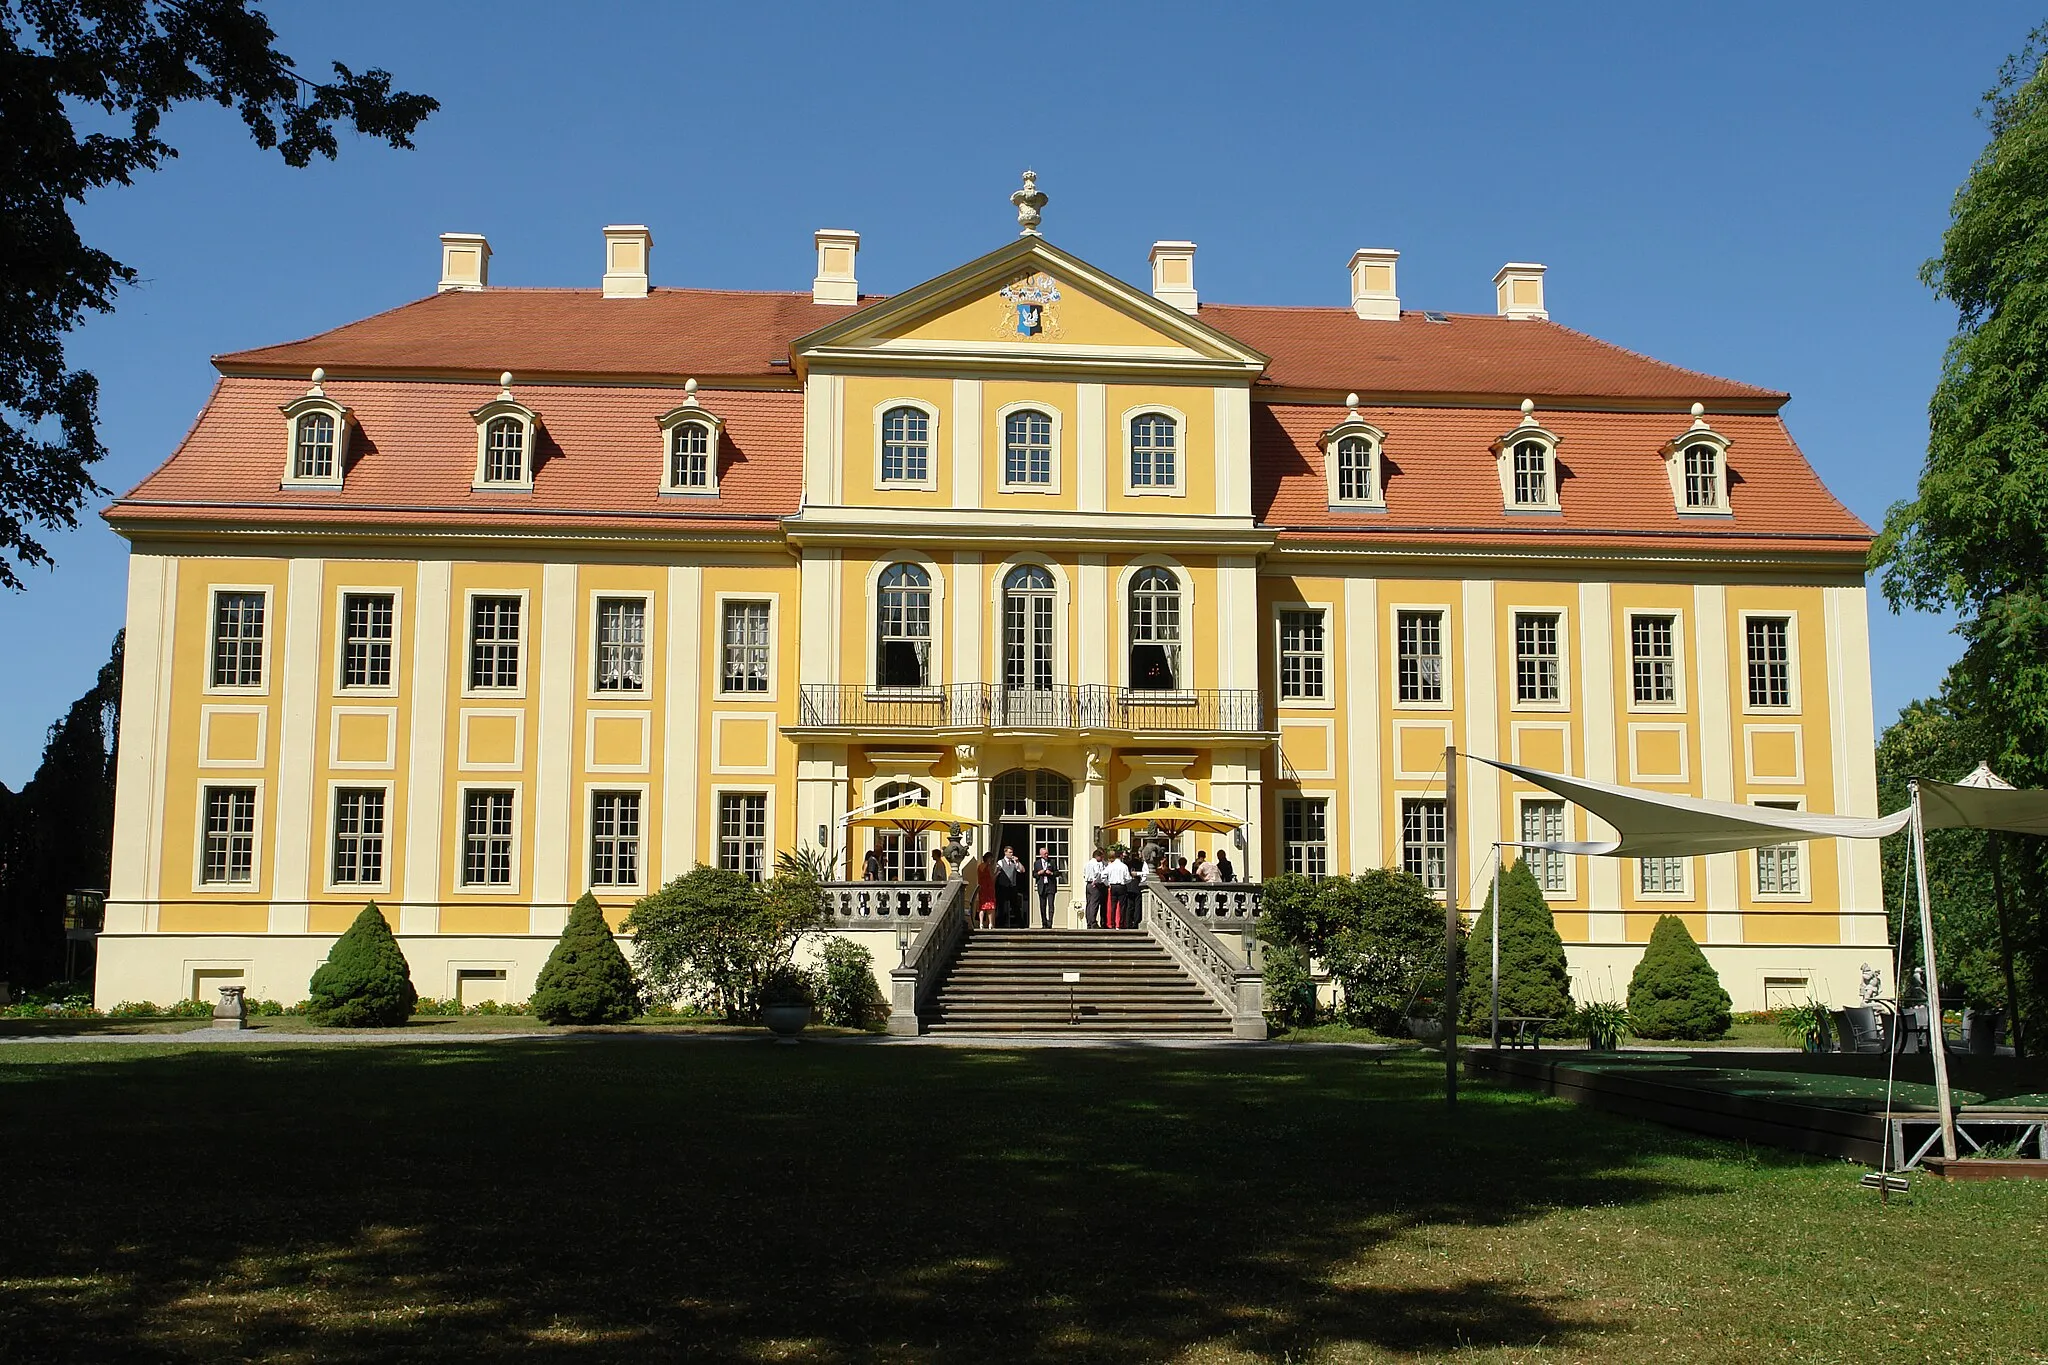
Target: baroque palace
[(506, 594)]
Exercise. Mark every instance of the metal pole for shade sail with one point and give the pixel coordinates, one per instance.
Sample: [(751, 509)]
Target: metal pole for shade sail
[(2012, 993), (1451, 925), (1496, 945), (1940, 1050)]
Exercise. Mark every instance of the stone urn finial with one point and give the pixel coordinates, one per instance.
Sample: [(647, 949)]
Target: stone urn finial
[(233, 1010), (1029, 201), (955, 849)]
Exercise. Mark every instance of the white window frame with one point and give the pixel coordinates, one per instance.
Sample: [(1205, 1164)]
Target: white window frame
[(1504, 463), (1628, 661), (1790, 617), (715, 809), (1061, 618), (1179, 487), (392, 824), (504, 405), (1674, 467), (344, 591), (1401, 803), (1564, 672), (1328, 801), (593, 621), (461, 823), (526, 642), (1183, 688), (935, 668), (774, 600), (1570, 890), (1328, 700), (589, 849), (1802, 850), (1446, 641), (1685, 877), (314, 402), (1002, 448), (213, 596), (1376, 449), (930, 481), (690, 415), (257, 836)]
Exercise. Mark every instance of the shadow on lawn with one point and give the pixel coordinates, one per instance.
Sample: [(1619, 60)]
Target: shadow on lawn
[(582, 1200)]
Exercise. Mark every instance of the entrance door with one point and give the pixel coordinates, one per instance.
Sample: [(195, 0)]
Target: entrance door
[(1035, 807)]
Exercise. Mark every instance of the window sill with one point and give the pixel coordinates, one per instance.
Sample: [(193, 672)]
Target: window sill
[(501, 488), (1359, 508), (309, 483), (711, 492)]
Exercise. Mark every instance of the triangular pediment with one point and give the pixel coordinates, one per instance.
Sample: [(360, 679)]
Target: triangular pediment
[(1029, 298)]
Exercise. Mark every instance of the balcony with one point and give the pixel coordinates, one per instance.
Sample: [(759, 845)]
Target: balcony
[(979, 708)]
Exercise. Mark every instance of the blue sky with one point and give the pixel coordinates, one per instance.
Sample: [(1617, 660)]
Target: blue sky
[(1744, 189)]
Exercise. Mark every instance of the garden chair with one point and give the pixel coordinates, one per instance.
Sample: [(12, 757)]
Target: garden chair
[(1860, 1028)]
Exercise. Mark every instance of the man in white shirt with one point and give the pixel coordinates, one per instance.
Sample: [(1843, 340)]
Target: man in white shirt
[(1114, 878), (1094, 889)]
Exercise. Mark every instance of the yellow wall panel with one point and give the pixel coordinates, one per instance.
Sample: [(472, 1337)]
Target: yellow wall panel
[(1660, 754), (490, 739), (233, 736), (618, 741), (1784, 928), (484, 919), (1543, 747), (743, 742), (362, 738), (253, 918)]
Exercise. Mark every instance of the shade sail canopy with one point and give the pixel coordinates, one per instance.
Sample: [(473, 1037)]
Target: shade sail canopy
[(1983, 800), (1174, 821), (911, 819), (1663, 825)]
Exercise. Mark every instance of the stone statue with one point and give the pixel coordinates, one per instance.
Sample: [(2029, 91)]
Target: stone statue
[(1872, 986), (1029, 201)]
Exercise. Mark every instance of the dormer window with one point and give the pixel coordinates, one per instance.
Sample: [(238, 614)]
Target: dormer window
[(505, 430), (316, 438), (1697, 462), (1527, 458), (1351, 462), (690, 433)]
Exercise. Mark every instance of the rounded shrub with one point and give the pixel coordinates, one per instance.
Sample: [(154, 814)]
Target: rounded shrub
[(586, 979), (1675, 992), (1290, 990), (365, 982), (1534, 982), (849, 997)]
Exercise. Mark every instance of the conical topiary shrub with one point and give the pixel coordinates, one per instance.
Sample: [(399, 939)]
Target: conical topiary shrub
[(1675, 992), (364, 983), (1533, 980), (586, 979)]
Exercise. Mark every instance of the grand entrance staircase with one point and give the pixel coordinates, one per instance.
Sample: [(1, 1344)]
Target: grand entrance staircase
[(1009, 981)]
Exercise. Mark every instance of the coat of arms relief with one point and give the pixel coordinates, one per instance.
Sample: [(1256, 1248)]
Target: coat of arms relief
[(1031, 306)]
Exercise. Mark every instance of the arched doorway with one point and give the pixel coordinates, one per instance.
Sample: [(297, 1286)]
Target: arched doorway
[(1031, 807), (905, 857)]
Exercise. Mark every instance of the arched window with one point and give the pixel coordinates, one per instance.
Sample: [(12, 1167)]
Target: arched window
[(314, 450), (1027, 448), (1702, 477), (1355, 481), (906, 445), (905, 857), (505, 451), (1155, 631), (903, 624), (1033, 808), (1155, 454), (689, 455), (1028, 616), (1532, 474)]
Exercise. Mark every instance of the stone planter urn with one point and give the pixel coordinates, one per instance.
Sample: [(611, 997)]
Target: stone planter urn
[(1425, 1028), (786, 1020), (233, 1010)]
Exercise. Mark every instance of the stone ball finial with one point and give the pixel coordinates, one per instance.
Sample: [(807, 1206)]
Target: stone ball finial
[(690, 387), (1528, 406), (505, 380), (319, 376), (1699, 409), (1350, 400)]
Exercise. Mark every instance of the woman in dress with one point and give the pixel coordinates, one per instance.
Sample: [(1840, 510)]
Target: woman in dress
[(985, 897)]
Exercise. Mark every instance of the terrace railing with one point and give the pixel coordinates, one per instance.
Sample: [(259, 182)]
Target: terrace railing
[(1237, 987), (869, 905), (988, 706), (916, 980), (1222, 906)]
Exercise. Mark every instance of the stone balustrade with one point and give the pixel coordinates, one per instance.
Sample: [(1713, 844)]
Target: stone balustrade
[(868, 905)]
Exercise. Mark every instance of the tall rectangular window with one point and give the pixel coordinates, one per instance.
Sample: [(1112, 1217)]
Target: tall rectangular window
[(621, 644), (1770, 660), (689, 456), (1536, 657), (906, 445), (1532, 474), (743, 833), (487, 838), (493, 642), (1304, 834), (615, 839), (746, 647), (1419, 651), (238, 639), (1301, 655), (1653, 660), (1777, 865), (229, 853), (1027, 448), (1661, 876), (1422, 840), (1154, 455), (366, 639), (1543, 823), (359, 836)]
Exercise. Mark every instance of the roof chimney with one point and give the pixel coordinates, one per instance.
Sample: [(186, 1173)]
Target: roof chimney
[(1372, 284), (1518, 290), (465, 262), (838, 250), (1173, 275), (626, 248)]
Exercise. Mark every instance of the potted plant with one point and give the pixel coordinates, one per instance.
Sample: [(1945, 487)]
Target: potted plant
[(1806, 1022), (1425, 1019), (1604, 1023), (786, 1000)]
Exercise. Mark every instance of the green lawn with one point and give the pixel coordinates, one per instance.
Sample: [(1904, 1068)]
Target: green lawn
[(641, 1197)]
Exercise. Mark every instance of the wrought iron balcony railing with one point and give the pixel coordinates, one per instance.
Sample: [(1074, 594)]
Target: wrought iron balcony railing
[(987, 706)]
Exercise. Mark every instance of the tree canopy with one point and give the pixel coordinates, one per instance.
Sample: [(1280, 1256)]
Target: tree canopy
[(121, 65)]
